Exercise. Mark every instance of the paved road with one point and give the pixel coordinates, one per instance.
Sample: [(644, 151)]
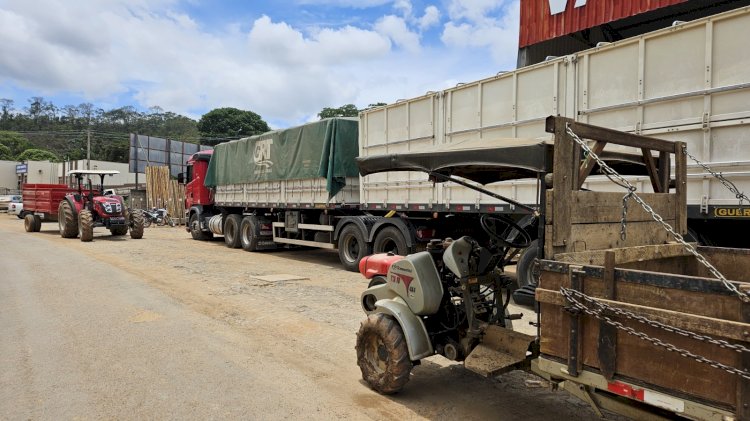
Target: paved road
[(170, 328)]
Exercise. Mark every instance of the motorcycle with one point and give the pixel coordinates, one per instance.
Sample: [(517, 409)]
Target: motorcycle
[(158, 216)]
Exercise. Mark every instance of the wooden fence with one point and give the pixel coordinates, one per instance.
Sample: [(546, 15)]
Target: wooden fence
[(163, 192)]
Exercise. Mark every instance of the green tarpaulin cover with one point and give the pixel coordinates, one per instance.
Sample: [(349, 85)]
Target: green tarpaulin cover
[(325, 148)]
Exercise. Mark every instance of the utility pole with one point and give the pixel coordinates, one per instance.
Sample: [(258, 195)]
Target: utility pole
[(88, 149)]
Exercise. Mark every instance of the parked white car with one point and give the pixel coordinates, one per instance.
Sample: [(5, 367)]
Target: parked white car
[(15, 207)]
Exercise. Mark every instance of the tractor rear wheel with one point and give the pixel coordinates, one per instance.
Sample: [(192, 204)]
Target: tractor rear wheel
[(382, 354), (86, 225), (136, 224), (232, 231), (66, 220)]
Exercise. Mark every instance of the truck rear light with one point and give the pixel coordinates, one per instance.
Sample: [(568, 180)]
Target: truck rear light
[(425, 233), (265, 227), (647, 396)]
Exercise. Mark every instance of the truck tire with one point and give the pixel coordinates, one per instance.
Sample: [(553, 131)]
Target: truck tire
[(382, 354), (390, 240), (232, 231), (28, 223), (136, 224), (86, 225), (352, 247), (66, 220), (249, 233), (526, 269), (195, 229)]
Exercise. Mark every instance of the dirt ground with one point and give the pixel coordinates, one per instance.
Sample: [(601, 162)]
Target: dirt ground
[(289, 316)]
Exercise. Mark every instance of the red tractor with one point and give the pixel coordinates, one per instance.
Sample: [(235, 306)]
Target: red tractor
[(81, 211)]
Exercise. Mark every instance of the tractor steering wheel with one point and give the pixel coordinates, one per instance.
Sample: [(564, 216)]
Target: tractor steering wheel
[(490, 223)]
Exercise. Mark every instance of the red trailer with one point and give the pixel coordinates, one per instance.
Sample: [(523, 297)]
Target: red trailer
[(40, 203)]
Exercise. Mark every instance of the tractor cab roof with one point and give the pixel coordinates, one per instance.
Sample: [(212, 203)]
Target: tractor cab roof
[(92, 172)]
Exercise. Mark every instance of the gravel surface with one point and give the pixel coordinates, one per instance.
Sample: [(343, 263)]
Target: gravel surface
[(167, 327)]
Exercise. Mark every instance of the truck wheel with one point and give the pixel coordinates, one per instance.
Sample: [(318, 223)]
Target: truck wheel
[(66, 220), (28, 223), (390, 240), (195, 229), (249, 233), (382, 354), (136, 224), (86, 225), (232, 231), (352, 247), (526, 269)]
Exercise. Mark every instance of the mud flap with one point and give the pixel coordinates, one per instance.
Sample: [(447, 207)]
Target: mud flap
[(501, 350)]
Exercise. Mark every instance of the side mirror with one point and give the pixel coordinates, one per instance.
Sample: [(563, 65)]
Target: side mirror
[(181, 178)]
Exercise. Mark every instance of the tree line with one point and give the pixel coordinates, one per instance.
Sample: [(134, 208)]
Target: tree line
[(41, 130)]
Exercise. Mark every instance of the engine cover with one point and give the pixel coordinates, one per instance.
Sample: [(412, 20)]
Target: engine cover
[(416, 279)]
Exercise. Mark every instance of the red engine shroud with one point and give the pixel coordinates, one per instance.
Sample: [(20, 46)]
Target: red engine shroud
[(377, 264)]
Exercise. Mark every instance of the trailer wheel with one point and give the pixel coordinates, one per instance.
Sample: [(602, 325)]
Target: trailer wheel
[(352, 247), (232, 231), (195, 229), (136, 220), (37, 223), (390, 240), (28, 223), (526, 269), (382, 354), (249, 233), (86, 225), (66, 220)]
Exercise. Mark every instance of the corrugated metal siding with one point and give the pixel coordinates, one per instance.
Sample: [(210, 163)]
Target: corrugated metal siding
[(538, 24)]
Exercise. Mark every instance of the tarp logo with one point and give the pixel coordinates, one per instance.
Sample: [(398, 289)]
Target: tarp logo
[(262, 156), (558, 6)]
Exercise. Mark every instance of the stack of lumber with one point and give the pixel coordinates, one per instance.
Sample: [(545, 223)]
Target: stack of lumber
[(164, 192)]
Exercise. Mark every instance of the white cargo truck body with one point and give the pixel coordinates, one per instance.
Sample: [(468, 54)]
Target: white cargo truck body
[(689, 82)]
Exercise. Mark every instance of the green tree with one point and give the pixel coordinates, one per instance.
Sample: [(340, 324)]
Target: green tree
[(230, 122), (37, 155), (348, 110), (5, 154), (14, 141)]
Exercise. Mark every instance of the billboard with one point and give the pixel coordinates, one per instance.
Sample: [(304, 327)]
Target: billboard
[(149, 151)]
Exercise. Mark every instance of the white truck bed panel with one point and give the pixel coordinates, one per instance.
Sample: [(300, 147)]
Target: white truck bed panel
[(288, 193)]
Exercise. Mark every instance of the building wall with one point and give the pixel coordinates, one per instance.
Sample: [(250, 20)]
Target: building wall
[(8, 178)]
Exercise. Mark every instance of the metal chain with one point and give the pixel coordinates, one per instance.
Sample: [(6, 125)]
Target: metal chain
[(728, 184), (620, 180), (569, 295), (602, 307)]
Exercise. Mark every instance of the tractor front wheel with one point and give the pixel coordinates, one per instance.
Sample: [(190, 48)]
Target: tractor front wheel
[(136, 224), (382, 354), (66, 220), (86, 225)]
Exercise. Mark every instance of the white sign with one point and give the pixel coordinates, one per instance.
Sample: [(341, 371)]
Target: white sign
[(558, 6)]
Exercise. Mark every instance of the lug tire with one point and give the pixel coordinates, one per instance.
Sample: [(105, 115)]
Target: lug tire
[(86, 225), (390, 239), (66, 220), (249, 233), (195, 229), (28, 223), (352, 247), (136, 224), (232, 231), (526, 269), (382, 354)]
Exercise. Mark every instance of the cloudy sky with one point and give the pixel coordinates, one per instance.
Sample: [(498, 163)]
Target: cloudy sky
[(284, 59)]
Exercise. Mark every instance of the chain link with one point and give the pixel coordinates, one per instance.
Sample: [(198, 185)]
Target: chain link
[(719, 176), (620, 180), (571, 295)]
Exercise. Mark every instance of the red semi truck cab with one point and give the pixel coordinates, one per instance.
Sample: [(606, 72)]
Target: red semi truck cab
[(196, 193)]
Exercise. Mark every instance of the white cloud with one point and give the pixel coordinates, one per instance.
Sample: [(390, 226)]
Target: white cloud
[(149, 52), (430, 18), (396, 29)]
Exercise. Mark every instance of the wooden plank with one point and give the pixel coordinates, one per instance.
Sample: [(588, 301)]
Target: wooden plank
[(575, 360), (625, 255), (607, 236), (743, 385), (607, 349), (653, 173), (587, 131), (562, 185), (664, 169), (588, 164), (680, 162), (589, 207)]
